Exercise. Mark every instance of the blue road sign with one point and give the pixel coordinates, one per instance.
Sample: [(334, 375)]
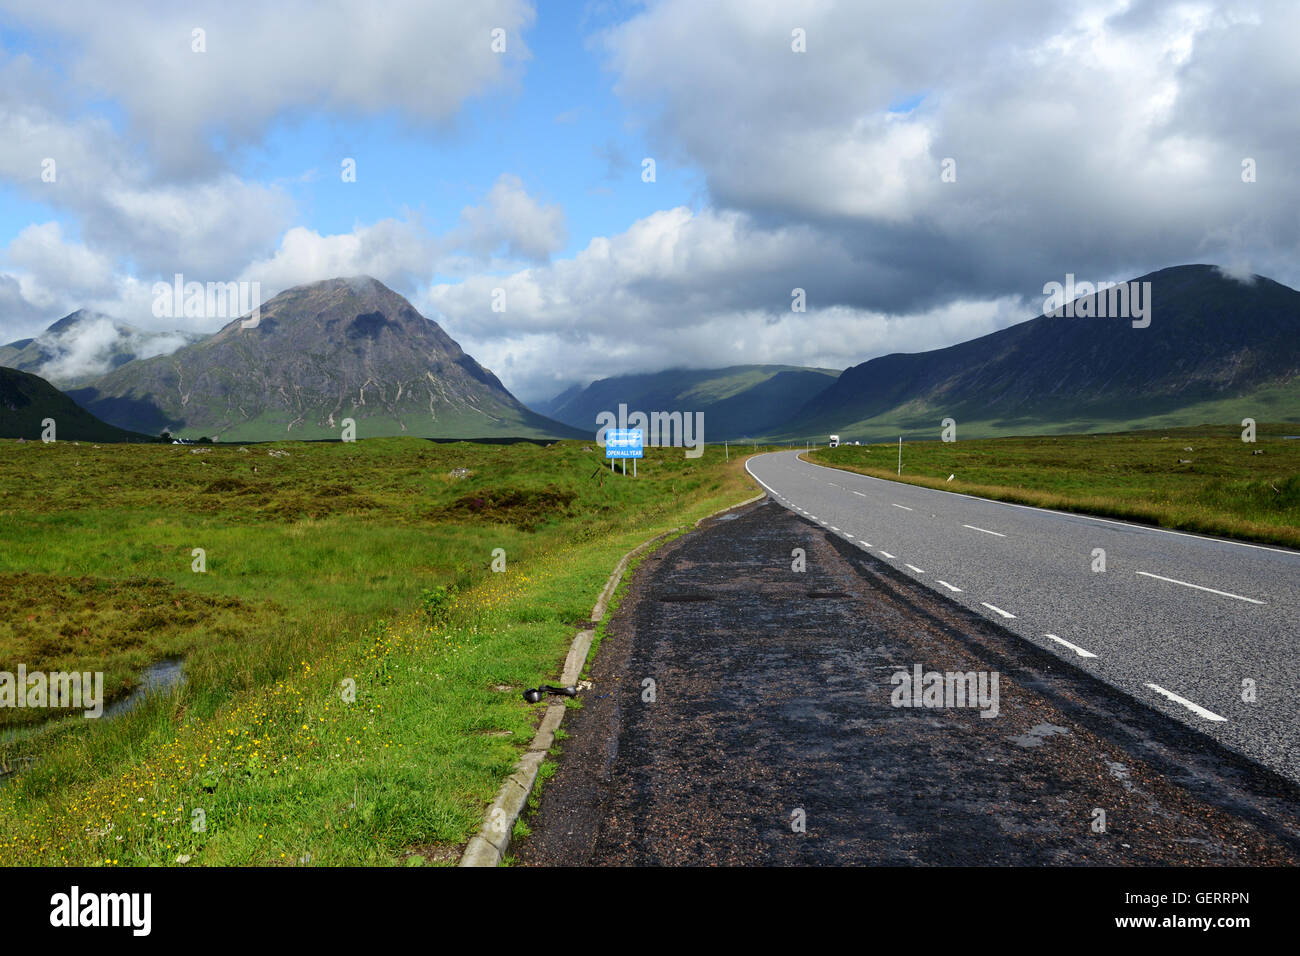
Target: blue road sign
[(623, 443)]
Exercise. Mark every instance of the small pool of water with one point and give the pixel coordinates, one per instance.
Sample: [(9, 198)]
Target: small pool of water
[(159, 677)]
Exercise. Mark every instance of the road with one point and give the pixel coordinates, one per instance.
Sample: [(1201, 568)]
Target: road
[(1185, 624), (773, 734)]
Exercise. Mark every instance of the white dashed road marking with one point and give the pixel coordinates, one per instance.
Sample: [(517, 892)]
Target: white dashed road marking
[(904, 507), (950, 587), (886, 554), (1076, 516), (997, 610), (1199, 588), (914, 568), (1196, 709), (1074, 647), (985, 530)]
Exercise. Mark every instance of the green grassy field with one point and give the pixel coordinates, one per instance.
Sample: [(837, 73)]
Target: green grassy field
[(327, 566), (1225, 489)]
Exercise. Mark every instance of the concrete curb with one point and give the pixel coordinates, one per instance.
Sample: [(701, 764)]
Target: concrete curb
[(488, 846)]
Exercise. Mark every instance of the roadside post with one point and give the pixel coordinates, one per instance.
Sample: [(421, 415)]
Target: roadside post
[(624, 443)]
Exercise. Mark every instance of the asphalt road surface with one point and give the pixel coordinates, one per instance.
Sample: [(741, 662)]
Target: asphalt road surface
[(745, 709), (1184, 623)]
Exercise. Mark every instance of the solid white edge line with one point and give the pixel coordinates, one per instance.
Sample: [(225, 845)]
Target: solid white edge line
[(951, 587), (1197, 586), (985, 530), (1197, 709), (1074, 647), (999, 610)]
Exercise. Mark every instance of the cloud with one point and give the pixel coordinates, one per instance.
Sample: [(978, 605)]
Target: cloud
[(150, 196), (510, 220), (21, 316), (210, 227), (50, 262), (398, 253), (54, 275), (127, 220), (1099, 138), (690, 289), (403, 254), (95, 344), (1238, 272), (1095, 137), (421, 58)]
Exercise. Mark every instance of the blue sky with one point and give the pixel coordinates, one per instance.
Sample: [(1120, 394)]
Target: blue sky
[(563, 132), (779, 166)]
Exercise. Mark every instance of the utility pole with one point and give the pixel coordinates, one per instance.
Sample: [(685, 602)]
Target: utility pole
[(900, 456), (726, 450)]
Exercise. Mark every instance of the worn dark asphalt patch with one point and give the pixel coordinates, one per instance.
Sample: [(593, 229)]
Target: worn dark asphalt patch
[(769, 701)]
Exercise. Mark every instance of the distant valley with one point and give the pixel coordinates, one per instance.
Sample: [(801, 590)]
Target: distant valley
[(1218, 349)]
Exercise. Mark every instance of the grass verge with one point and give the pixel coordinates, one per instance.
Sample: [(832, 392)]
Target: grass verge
[(1203, 479), (348, 712)]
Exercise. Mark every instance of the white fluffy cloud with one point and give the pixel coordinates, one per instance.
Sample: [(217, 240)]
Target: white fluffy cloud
[(1095, 137), (49, 262), (681, 288), (1102, 138), (93, 344), (419, 57), (512, 220), (130, 222), (391, 250), (152, 199), (1099, 137), (123, 208)]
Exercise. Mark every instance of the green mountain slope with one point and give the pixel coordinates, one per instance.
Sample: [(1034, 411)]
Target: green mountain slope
[(738, 402), (26, 400), (64, 354), (320, 353), (1217, 350)]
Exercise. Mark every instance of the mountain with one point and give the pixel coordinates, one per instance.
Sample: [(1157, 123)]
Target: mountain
[(737, 402), (84, 345), (550, 406), (320, 353), (26, 400), (1217, 349)]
